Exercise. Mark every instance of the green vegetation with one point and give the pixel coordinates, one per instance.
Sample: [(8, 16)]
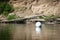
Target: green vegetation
[(10, 17), (5, 8), (49, 18), (4, 0)]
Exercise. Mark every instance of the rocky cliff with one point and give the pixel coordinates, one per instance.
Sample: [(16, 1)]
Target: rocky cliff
[(36, 7)]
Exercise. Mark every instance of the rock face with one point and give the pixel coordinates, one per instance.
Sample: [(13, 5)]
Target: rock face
[(47, 9), (36, 7)]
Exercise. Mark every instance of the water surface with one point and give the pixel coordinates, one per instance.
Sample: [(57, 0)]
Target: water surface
[(28, 32)]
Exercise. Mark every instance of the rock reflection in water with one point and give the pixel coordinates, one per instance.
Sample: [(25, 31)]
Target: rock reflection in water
[(28, 31)]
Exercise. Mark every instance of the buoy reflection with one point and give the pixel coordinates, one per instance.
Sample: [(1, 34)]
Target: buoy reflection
[(38, 30)]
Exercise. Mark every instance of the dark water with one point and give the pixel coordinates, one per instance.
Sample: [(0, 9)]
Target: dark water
[(28, 32)]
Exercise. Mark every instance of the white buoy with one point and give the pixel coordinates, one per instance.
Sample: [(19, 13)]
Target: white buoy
[(38, 25)]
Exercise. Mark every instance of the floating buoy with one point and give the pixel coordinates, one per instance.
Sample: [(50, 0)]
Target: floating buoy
[(38, 24)]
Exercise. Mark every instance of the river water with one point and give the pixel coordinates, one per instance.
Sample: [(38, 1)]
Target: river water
[(28, 32)]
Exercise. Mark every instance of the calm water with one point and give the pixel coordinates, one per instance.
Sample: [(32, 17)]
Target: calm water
[(28, 32)]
